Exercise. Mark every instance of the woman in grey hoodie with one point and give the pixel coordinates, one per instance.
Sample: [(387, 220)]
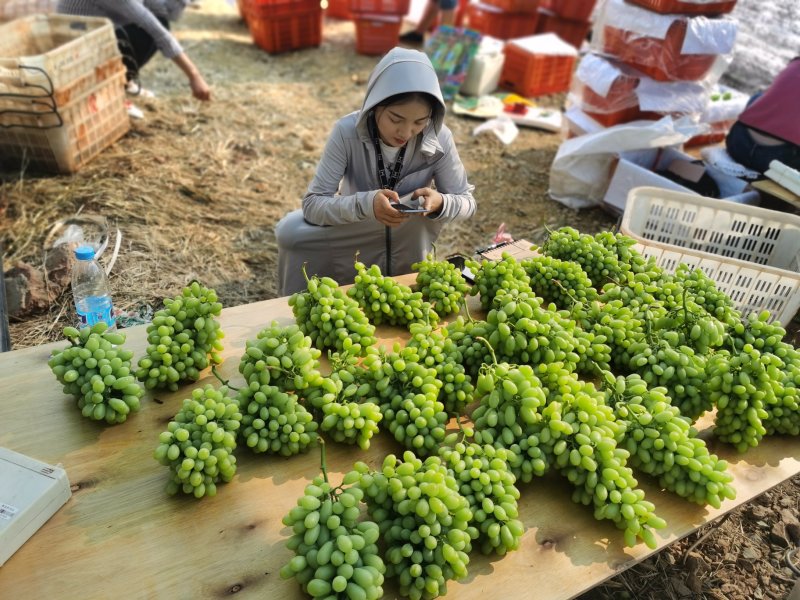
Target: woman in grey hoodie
[(395, 146)]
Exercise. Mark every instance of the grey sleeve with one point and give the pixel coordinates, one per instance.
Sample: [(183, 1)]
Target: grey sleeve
[(451, 182), (135, 12), (321, 205)]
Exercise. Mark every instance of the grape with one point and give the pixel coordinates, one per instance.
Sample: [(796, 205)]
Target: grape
[(441, 284), (486, 482), (384, 300), (440, 351), (425, 523), (408, 392), (183, 339), (96, 370), (599, 259), (663, 444), (562, 282), (199, 442), (274, 421), (493, 276), (281, 356), (335, 555), (344, 402), (331, 318)]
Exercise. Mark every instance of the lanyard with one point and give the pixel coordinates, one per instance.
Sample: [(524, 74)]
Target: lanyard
[(388, 177)]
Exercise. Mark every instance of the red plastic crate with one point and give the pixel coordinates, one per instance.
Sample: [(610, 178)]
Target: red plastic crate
[(534, 75), (686, 7), (572, 32), (515, 6), (576, 10), (661, 59), (243, 6), (285, 30), (498, 23), (380, 7), (377, 34), (339, 9)]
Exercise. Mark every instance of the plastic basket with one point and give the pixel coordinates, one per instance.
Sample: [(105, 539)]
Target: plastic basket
[(495, 22), (515, 6), (572, 31), (285, 26), (13, 9), (687, 7), (64, 138), (576, 10), (534, 75), (380, 7), (753, 254), (376, 34), (339, 9), (56, 50)]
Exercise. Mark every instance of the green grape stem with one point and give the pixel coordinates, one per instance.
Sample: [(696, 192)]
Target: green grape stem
[(488, 345), (225, 382)]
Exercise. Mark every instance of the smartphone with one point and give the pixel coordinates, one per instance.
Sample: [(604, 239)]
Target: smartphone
[(406, 208)]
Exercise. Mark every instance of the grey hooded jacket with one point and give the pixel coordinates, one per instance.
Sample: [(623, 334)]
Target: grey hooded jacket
[(337, 218)]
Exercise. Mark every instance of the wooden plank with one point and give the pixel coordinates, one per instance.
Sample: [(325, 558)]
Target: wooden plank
[(774, 188), (121, 535)]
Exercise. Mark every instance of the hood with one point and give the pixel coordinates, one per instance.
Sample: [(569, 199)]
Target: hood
[(400, 71)]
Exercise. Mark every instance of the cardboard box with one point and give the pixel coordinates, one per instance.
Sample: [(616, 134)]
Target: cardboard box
[(637, 168)]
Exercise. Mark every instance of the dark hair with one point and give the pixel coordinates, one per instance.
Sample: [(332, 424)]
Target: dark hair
[(425, 97)]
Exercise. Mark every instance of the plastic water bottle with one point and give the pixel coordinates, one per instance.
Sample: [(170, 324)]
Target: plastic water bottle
[(90, 290)]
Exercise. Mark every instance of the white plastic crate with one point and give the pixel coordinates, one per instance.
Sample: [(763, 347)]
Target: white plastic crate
[(753, 254)]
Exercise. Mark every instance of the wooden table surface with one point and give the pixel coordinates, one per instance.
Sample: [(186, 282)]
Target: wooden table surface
[(121, 536)]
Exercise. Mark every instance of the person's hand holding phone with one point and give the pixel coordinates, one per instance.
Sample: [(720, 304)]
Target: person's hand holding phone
[(430, 199), (384, 207)]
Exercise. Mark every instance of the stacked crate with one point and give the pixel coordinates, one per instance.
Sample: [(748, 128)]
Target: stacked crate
[(503, 19), (377, 24), (675, 49), (568, 19), (283, 25), (537, 65), (62, 91)]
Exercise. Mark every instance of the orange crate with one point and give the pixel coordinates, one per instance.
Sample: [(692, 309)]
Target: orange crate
[(572, 32), (498, 23), (576, 10), (244, 9), (283, 32), (377, 34), (661, 59), (686, 7), (339, 9), (530, 74), (515, 6), (61, 139), (380, 7)]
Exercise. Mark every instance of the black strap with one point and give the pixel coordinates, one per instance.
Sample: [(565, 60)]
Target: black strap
[(388, 179)]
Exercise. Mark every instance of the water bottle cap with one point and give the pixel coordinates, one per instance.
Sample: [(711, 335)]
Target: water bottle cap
[(84, 253)]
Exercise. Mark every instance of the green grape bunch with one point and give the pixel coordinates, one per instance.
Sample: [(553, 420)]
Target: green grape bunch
[(493, 276), (441, 284), (199, 442), (183, 339), (331, 318), (384, 300), (96, 370), (336, 555)]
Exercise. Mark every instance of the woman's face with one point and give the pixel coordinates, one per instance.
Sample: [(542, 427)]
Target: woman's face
[(398, 123)]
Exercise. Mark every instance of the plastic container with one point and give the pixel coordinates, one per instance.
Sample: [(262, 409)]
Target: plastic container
[(753, 254), (498, 23), (538, 65), (572, 31), (708, 8), (284, 25), (14, 9), (90, 290), (339, 9), (376, 34), (575, 10)]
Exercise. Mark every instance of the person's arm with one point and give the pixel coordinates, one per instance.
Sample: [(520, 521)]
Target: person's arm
[(321, 205), (452, 199), (200, 89)]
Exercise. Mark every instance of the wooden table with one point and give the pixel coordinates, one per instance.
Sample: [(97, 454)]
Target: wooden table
[(121, 536)]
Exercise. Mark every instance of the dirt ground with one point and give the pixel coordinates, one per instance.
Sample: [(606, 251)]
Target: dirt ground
[(196, 189)]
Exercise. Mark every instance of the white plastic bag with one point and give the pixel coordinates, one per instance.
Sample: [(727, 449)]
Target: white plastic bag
[(581, 169), (502, 126)]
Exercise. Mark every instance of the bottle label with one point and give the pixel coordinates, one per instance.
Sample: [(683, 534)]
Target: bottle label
[(95, 309)]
